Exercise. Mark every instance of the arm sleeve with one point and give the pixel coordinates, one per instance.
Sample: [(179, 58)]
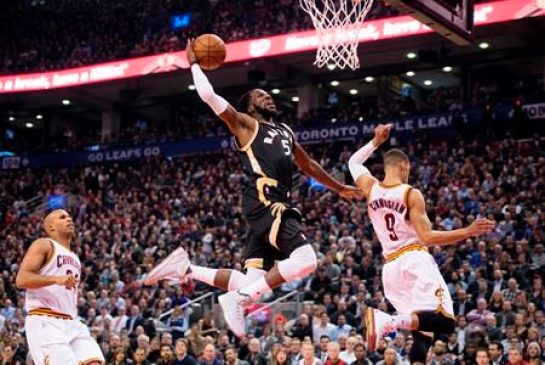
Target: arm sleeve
[(206, 91), (355, 163)]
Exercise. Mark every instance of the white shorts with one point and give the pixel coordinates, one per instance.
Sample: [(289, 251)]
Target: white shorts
[(56, 341), (412, 282)]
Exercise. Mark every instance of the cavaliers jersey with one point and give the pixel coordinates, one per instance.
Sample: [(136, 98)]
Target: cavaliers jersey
[(268, 159), (388, 211), (56, 297)]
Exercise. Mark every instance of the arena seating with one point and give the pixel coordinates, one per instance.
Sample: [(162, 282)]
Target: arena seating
[(131, 215)]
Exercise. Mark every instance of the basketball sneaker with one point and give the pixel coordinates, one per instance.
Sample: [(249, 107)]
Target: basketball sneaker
[(379, 325), (173, 268), (233, 305)]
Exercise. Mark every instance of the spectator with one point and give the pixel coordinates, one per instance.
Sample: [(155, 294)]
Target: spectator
[(120, 321), (231, 357), (140, 357), (361, 355), (182, 357), (482, 357), (280, 358), (342, 328), (495, 349), (119, 357), (134, 320), (453, 346), (209, 356), (294, 353), (512, 290), (323, 328), (308, 358), (477, 318), (167, 357), (533, 353), (323, 348), (462, 305), (348, 355), (333, 350), (154, 353), (515, 356), (390, 357), (302, 328)]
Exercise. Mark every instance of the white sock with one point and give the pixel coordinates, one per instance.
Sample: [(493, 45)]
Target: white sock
[(203, 274), (403, 321), (257, 288)]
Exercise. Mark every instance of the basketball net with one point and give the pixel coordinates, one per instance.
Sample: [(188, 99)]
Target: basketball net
[(338, 24)]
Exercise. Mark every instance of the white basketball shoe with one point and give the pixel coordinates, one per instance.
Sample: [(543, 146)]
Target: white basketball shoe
[(173, 268), (233, 305), (379, 325)]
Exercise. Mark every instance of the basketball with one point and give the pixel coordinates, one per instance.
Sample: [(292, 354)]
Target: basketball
[(210, 51)]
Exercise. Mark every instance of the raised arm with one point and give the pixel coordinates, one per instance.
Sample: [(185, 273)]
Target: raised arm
[(241, 125), (422, 225), (361, 174), (39, 254), (313, 169)]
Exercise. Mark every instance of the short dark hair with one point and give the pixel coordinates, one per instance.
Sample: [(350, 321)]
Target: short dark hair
[(360, 345), (245, 101), (497, 343), (324, 336), (480, 349), (394, 157)]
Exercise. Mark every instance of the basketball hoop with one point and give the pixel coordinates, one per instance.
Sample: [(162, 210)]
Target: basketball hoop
[(338, 24)]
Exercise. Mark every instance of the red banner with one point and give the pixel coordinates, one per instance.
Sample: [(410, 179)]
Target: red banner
[(374, 30)]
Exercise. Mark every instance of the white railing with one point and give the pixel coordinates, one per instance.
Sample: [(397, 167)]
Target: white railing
[(185, 305)]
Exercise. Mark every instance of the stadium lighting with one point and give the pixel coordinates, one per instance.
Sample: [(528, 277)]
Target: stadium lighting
[(428, 82), (335, 83), (275, 91), (353, 91), (447, 68), (333, 120), (410, 73), (66, 102), (411, 55), (29, 125), (191, 87), (39, 116), (330, 66), (484, 45), (369, 79), (360, 119), (11, 119), (295, 99)]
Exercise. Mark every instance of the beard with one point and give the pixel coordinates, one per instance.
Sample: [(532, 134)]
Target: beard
[(266, 113)]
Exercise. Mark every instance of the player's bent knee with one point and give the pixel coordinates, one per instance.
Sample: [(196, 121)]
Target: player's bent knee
[(236, 280), (302, 262)]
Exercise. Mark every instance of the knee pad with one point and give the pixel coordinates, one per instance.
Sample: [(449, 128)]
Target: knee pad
[(435, 322), (302, 262), (238, 280), (420, 348)]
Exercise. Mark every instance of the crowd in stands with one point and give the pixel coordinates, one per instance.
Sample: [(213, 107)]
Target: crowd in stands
[(40, 35), (129, 216)]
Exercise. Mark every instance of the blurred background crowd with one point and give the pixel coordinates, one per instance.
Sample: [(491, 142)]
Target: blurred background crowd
[(131, 215)]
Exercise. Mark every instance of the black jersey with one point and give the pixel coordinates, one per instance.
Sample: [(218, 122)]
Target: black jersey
[(268, 160)]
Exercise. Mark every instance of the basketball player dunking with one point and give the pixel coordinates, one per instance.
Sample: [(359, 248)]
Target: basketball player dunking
[(412, 282), (50, 273), (268, 150)]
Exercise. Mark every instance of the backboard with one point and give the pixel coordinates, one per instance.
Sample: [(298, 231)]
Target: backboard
[(453, 19)]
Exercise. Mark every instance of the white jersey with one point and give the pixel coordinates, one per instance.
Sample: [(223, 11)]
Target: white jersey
[(56, 298), (388, 211)]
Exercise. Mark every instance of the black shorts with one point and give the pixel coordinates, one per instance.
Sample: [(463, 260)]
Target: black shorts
[(273, 237)]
